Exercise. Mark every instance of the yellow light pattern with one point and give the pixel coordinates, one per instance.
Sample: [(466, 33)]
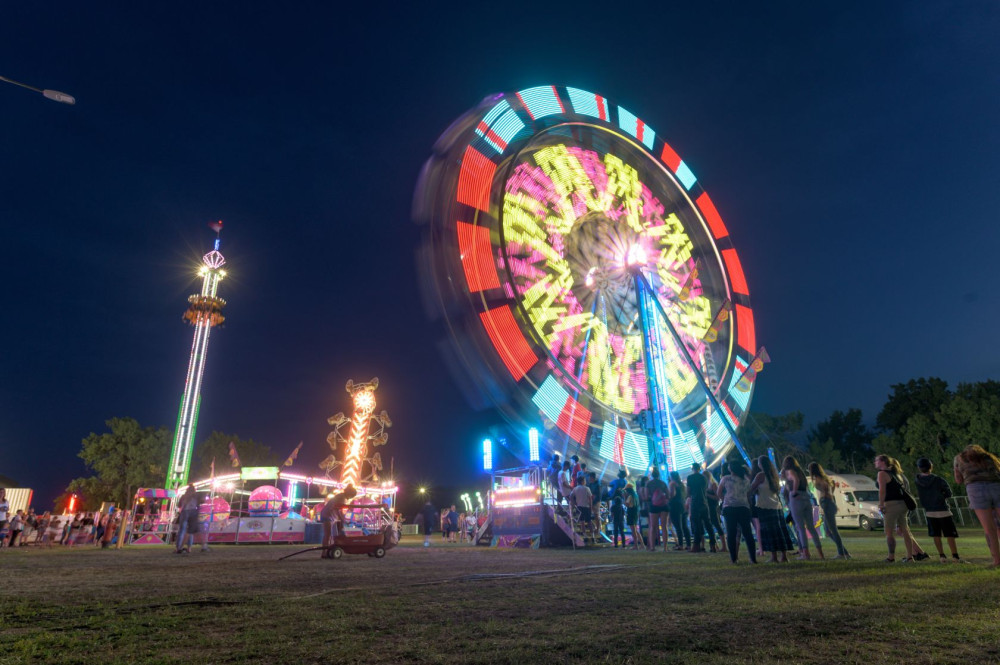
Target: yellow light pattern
[(530, 226), (364, 404)]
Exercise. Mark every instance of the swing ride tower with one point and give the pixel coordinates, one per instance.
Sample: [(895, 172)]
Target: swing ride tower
[(204, 312)]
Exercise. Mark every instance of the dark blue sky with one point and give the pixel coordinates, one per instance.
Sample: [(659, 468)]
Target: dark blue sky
[(854, 152)]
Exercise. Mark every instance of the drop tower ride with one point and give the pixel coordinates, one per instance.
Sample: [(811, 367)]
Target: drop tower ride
[(204, 312)]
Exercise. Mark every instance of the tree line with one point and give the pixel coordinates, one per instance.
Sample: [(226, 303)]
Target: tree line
[(920, 418), (130, 456)]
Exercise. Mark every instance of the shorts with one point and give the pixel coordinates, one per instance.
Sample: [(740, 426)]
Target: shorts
[(983, 496), (585, 514), (631, 516), (653, 510), (938, 527)]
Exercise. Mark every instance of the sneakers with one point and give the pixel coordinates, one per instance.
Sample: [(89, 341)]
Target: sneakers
[(427, 544), (943, 559), (921, 556)]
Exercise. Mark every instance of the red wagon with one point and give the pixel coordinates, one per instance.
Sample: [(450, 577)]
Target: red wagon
[(367, 530)]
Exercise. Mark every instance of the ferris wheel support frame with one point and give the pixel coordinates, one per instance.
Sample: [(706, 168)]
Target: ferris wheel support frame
[(643, 286)]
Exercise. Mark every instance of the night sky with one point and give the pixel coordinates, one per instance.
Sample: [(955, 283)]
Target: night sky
[(853, 151)]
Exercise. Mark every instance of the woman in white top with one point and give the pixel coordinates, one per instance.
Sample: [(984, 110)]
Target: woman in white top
[(734, 490), (774, 536)]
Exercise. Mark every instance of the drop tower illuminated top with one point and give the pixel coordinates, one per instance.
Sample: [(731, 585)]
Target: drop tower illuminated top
[(204, 312)]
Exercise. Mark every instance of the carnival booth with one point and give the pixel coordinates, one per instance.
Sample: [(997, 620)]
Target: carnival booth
[(268, 505), (151, 520)]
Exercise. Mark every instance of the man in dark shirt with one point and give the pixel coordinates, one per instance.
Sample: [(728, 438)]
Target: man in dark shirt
[(696, 486)]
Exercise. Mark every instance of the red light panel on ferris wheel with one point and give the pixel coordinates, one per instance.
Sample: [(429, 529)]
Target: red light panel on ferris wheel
[(574, 420), (677, 165), (670, 157), (587, 103), (477, 257), (541, 101), (475, 178), (746, 336), (735, 269), (508, 340), (711, 216)]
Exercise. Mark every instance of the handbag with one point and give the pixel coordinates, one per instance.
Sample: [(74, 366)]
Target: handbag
[(911, 503)]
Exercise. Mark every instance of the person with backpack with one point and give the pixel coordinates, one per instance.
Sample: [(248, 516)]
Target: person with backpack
[(676, 508), (659, 508)]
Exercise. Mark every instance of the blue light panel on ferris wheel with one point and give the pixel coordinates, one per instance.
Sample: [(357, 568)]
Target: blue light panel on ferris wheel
[(499, 126), (636, 127), (685, 175), (541, 101), (551, 398), (716, 432), (586, 103), (635, 447), (684, 450), (740, 398)]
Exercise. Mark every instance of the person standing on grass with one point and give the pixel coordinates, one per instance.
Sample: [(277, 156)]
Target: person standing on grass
[(676, 507), (697, 487), (631, 501), (659, 508), (734, 489), (893, 507), (712, 499), (800, 505), (16, 527), (934, 493), (452, 518), (774, 537), (187, 519), (979, 471), (429, 514), (824, 487), (617, 520)]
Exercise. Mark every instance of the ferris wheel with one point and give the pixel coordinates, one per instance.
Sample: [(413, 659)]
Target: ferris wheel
[(587, 282)]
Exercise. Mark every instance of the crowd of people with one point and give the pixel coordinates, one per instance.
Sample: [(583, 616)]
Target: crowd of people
[(769, 508), (25, 527)]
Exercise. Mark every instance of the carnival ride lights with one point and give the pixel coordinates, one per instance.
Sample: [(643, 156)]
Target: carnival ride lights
[(363, 396), (487, 455), (510, 497), (204, 312), (583, 273), (533, 455)]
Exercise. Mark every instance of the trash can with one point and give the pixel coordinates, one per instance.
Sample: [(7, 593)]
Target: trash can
[(314, 533)]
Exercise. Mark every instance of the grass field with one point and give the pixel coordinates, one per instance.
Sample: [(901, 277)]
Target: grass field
[(460, 604)]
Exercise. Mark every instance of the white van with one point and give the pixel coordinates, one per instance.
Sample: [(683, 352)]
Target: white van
[(857, 501)]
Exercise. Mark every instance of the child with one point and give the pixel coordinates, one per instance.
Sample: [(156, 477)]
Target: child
[(618, 519), (934, 492)]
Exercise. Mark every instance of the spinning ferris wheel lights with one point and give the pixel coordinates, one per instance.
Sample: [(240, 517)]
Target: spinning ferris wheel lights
[(571, 246)]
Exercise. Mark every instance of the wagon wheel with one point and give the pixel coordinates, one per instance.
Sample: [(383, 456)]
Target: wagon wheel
[(379, 552)]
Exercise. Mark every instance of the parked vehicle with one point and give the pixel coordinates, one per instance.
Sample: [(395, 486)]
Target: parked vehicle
[(857, 501)]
